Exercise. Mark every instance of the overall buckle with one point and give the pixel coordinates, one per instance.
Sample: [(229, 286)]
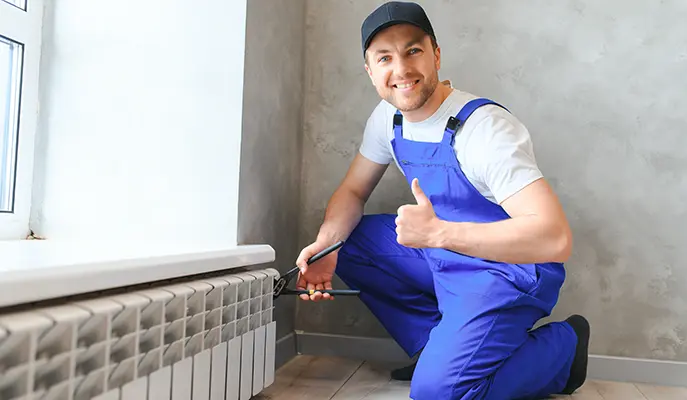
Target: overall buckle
[(452, 124), (398, 119)]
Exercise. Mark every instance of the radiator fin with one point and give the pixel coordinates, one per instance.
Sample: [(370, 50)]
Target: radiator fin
[(208, 339)]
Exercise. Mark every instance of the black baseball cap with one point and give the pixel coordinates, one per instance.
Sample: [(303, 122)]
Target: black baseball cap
[(393, 13)]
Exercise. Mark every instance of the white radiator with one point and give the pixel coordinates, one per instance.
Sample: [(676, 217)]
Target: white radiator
[(207, 339)]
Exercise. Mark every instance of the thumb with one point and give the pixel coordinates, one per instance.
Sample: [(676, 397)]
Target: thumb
[(420, 196), (305, 254)]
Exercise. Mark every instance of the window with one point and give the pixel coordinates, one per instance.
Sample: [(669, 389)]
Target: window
[(21, 4), (20, 49), (10, 78)]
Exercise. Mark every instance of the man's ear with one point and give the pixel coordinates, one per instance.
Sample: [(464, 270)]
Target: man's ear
[(369, 73), (437, 58)]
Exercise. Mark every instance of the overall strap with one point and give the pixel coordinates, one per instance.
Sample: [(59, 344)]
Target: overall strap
[(456, 122), (398, 125)]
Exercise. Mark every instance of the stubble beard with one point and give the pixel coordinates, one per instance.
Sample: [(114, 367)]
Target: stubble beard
[(421, 99)]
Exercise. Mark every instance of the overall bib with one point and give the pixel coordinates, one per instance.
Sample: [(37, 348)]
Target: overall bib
[(472, 318)]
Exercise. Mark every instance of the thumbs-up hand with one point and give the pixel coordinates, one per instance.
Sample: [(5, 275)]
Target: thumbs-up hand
[(416, 224)]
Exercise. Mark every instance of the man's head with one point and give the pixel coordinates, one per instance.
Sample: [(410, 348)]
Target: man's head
[(401, 54)]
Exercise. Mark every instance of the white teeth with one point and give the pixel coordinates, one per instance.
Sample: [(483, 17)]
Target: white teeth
[(405, 86)]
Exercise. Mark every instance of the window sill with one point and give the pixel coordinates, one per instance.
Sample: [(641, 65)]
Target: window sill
[(36, 270)]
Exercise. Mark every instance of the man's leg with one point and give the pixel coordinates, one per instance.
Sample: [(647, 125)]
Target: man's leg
[(483, 347), (395, 282)]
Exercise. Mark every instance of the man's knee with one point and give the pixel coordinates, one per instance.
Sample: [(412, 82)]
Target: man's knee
[(357, 247), (430, 385), (367, 234), (442, 383), (451, 372), (372, 225)]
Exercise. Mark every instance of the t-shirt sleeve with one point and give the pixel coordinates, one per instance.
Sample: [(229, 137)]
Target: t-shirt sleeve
[(375, 145), (502, 155)]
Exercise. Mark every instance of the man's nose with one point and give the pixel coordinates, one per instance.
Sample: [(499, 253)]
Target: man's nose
[(401, 67)]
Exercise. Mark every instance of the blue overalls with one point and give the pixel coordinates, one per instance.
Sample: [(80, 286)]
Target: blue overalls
[(471, 318)]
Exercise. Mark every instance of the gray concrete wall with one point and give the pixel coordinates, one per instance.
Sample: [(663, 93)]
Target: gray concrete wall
[(271, 142), (601, 87)]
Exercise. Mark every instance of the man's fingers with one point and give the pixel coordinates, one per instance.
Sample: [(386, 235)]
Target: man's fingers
[(328, 286), (325, 296), (301, 284), (304, 256), (317, 291), (303, 296), (310, 287), (420, 196), (307, 253), (317, 296)]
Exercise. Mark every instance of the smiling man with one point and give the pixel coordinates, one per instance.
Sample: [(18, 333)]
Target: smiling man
[(460, 277)]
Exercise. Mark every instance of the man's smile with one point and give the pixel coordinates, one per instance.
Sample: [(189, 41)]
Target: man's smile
[(407, 85)]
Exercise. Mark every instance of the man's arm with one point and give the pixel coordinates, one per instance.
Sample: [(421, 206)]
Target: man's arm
[(501, 157), (345, 208), (538, 230)]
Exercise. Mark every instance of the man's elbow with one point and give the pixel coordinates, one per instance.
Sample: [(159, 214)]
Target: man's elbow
[(562, 244)]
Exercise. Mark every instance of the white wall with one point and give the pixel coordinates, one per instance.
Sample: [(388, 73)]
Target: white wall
[(140, 120)]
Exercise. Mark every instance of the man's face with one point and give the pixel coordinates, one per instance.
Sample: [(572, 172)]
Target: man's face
[(403, 66)]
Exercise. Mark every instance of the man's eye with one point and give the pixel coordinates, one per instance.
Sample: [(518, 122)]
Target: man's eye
[(384, 59), (414, 50)]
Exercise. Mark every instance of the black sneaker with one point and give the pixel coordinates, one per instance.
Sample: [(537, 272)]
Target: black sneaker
[(578, 370), (404, 373)]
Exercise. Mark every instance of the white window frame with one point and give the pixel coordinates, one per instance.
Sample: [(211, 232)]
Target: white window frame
[(25, 27)]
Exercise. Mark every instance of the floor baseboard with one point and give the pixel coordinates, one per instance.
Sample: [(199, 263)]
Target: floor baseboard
[(285, 349), (638, 370), (384, 350), (355, 347)]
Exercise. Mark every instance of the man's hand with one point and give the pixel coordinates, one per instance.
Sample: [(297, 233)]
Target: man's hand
[(417, 225), (344, 211), (318, 275)]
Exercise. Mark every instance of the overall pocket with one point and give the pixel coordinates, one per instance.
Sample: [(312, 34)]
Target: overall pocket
[(524, 277)]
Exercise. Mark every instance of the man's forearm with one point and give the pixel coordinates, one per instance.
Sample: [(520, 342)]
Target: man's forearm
[(521, 240), (344, 211)]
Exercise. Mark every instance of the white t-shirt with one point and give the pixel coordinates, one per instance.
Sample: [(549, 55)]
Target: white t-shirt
[(494, 148)]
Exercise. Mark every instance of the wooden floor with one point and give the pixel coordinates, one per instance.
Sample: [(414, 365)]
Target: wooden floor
[(320, 378)]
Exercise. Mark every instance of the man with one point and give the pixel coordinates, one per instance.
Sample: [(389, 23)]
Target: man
[(460, 277)]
